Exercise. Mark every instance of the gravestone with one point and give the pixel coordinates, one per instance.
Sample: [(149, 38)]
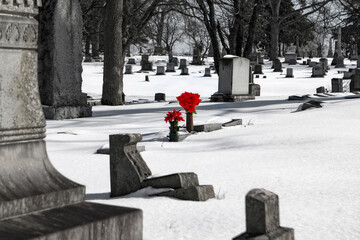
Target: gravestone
[(337, 85), (292, 62), (160, 70), (263, 218), (60, 57), (131, 61), (207, 72), (312, 64), (233, 80), (182, 64), (347, 75), (36, 201), (170, 67), (318, 71), (289, 73), (254, 89), (196, 56), (325, 63), (320, 90), (128, 69), (175, 61), (340, 62), (258, 69), (184, 71), (159, 96), (146, 65), (308, 61), (354, 52), (260, 58), (355, 81), (158, 50), (290, 56), (277, 65)]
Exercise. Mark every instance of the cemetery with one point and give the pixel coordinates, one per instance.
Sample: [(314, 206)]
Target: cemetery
[(197, 145)]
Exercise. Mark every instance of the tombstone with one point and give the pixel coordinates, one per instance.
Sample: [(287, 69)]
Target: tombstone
[(159, 96), (277, 65), (347, 75), (196, 56), (320, 89), (175, 61), (87, 58), (258, 69), (354, 52), (337, 85), (290, 57), (127, 168), (131, 61), (263, 218), (318, 71), (253, 58), (333, 62), (355, 81), (312, 64), (182, 64), (146, 65), (60, 58), (325, 63), (308, 61), (254, 89), (128, 69), (184, 71), (37, 202), (304, 63), (207, 72), (289, 73), (170, 67), (160, 70), (292, 62), (234, 78), (340, 62), (147, 78)]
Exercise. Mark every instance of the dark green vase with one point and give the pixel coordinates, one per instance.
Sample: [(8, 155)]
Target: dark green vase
[(173, 137)]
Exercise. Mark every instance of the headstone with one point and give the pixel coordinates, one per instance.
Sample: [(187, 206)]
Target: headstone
[(340, 62), (182, 64), (263, 218), (320, 90), (159, 96), (289, 73), (160, 70), (258, 69), (208, 127), (292, 62), (304, 63), (60, 58), (234, 79), (127, 167), (312, 64), (355, 81), (337, 85), (184, 71), (325, 63), (308, 61), (175, 61), (128, 69), (197, 56), (318, 71), (347, 75), (88, 58), (131, 61), (170, 67), (277, 65), (146, 65), (354, 52), (254, 89), (147, 78), (253, 58), (207, 72), (290, 58), (37, 202)]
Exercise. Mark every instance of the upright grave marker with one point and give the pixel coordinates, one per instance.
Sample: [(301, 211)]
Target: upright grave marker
[(36, 201)]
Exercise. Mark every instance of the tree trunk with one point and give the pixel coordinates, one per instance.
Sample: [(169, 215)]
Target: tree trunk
[(251, 32), (114, 56), (274, 28)]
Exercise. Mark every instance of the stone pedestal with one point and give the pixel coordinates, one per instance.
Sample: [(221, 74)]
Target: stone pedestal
[(36, 201), (60, 57), (233, 80), (160, 96)]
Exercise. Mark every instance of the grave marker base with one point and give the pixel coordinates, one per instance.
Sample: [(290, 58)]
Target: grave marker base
[(230, 98)]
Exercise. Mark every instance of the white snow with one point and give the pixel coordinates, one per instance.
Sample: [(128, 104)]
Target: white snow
[(309, 158)]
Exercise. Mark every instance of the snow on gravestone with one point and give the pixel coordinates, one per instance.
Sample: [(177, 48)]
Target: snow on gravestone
[(36, 201)]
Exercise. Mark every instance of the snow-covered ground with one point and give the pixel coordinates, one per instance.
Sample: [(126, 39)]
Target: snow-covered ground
[(309, 158)]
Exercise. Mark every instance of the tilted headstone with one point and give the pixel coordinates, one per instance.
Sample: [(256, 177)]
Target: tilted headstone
[(160, 70), (355, 81), (128, 69), (354, 52), (337, 85), (159, 96), (60, 57), (127, 167), (263, 219), (207, 72), (184, 71), (170, 67), (258, 69), (289, 73), (182, 64), (318, 71), (36, 201), (277, 65), (131, 61), (234, 79)]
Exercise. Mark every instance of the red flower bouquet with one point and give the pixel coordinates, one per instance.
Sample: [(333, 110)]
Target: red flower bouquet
[(173, 118), (189, 101)]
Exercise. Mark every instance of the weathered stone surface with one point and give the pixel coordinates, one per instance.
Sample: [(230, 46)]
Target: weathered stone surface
[(208, 127), (106, 150), (146, 65), (312, 64), (233, 122), (160, 96), (289, 57), (175, 181), (193, 193), (292, 62), (337, 85), (88, 221), (340, 62), (160, 70), (347, 75), (127, 167), (289, 73)]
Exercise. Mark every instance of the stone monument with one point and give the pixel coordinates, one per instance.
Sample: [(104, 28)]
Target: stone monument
[(60, 57), (36, 201), (233, 80), (337, 85), (146, 65)]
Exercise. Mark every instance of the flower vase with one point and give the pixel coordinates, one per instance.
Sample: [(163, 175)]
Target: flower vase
[(189, 122), (173, 137)]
